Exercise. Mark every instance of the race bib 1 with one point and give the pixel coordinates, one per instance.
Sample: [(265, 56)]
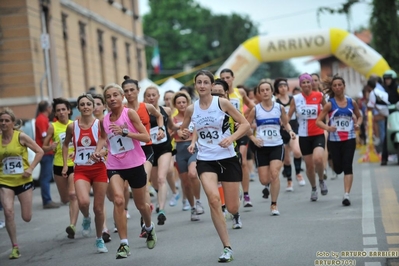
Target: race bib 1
[(343, 123), (120, 144), (309, 111), (13, 165), (154, 133)]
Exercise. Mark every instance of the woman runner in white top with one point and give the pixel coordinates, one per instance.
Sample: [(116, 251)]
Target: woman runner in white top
[(269, 154), (216, 159)]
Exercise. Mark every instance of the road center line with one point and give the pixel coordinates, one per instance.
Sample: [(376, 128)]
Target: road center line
[(368, 225)]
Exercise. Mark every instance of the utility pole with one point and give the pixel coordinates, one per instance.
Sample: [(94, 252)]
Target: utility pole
[(45, 40)]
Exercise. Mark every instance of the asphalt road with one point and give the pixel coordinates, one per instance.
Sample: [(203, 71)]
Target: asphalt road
[(306, 233)]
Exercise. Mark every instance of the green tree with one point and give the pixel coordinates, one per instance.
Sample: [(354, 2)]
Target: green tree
[(385, 29), (189, 34)]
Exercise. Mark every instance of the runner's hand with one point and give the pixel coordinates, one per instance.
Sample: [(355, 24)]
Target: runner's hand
[(27, 173)]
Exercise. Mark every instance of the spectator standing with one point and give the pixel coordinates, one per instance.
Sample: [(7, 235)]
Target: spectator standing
[(46, 164)]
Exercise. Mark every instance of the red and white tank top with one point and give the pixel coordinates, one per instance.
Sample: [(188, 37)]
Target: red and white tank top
[(308, 108), (85, 142)]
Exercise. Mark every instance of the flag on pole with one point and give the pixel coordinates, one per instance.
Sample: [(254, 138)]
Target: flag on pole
[(156, 60)]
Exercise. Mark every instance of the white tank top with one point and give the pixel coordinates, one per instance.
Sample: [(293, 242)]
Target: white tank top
[(212, 126), (268, 125)]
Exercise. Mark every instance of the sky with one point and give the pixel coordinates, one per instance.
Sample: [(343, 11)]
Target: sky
[(288, 16)]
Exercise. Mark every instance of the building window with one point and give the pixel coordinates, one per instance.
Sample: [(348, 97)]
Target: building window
[(100, 42), (64, 26), (83, 46), (114, 48), (139, 62), (128, 60), (115, 57)]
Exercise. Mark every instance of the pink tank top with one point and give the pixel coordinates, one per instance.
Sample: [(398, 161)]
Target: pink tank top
[(123, 152)]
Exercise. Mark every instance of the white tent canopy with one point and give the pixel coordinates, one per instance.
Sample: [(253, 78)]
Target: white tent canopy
[(171, 84), (143, 85)]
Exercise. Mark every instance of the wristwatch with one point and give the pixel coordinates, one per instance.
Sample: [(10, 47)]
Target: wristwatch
[(125, 131)]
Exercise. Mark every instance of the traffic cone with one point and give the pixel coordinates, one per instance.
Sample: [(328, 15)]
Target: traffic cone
[(370, 156)]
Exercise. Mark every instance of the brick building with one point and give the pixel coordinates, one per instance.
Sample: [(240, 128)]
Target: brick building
[(90, 43)]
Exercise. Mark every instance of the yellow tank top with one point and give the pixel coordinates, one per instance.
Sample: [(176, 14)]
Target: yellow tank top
[(236, 100), (13, 162), (175, 112), (59, 136)]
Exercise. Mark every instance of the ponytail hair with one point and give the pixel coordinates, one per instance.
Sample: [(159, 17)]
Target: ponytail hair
[(327, 84), (128, 80)]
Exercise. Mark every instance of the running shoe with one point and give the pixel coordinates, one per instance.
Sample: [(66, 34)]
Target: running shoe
[(273, 210), (143, 233), (252, 177), (265, 192), (106, 236), (186, 205), (101, 248), (325, 175), (194, 215), (300, 180), (226, 214), (123, 251), (237, 224), (127, 214), (313, 195), (14, 253), (115, 229), (157, 208), (323, 188), (151, 237), (2, 224), (247, 201), (161, 218), (290, 187), (227, 255), (346, 201), (174, 199), (86, 226), (199, 208), (70, 230), (334, 176), (152, 191)]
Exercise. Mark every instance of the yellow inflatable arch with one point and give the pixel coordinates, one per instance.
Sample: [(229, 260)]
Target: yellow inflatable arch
[(344, 45)]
